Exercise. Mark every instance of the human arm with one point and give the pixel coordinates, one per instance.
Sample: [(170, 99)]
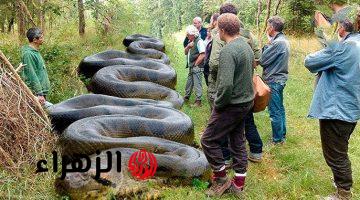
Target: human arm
[(271, 53), (200, 59), (201, 48), (188, 47), (215, 54), (255, 47), (320, 61), (186, 42)]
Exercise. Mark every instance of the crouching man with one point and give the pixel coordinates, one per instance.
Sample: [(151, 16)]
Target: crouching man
[(336, 103), (234, 99)]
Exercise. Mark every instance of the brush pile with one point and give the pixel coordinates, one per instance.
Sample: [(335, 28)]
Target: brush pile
[(25, 134)]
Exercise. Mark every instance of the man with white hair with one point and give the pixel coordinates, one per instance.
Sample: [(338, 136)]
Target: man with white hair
[(195, 52), (197, 22)]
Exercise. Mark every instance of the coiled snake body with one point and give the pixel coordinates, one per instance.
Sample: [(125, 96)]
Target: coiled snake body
[(145, 117)]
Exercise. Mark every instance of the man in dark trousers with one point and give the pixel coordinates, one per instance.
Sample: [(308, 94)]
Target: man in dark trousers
[(234, 100), (251, 132), (336, 103)]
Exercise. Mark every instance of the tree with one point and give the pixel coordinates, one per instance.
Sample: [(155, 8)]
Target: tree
[(21, 18), (42, 14), (268, 13), (81, 17)]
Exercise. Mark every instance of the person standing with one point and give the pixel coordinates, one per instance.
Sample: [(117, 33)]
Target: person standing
[(197, 22), (251, 132), (34, 72), (208, 47), (275, 62), (234, 99), (195, 52), (336, 103)]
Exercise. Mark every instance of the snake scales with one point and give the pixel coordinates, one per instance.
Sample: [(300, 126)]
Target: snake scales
[(144, 117)]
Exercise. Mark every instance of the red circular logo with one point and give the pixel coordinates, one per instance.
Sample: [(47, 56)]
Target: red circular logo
[(142, 165)]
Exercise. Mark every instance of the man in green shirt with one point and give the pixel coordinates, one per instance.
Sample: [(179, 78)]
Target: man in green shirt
[(234, 100), (34, 72)]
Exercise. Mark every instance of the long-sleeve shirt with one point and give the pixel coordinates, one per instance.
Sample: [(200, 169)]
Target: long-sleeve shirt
[(234, 81), (34, 73), (337, 95), (275, 60)]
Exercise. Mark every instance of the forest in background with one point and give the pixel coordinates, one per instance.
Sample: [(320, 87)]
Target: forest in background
[(155, 17), (97, 25)]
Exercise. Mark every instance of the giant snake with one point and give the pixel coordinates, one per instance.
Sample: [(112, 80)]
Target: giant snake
[(134, 107)]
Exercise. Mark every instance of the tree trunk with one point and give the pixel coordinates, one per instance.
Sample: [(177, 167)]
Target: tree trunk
[(96, 8), (27, 14), (277, 7), (2, 25), (107, 24), (10, 24), (268, 13), (258, 21), (42, 15), (81, 17), (21, 19)]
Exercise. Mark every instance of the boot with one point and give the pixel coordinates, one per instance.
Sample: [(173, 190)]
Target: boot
[(341, 194), (197, 103), (219, 186)]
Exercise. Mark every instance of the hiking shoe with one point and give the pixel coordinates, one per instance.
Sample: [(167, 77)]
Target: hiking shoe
[(186, 99), (218, 187), (255, 157), (340, 194), (237, 191), (197, 103)]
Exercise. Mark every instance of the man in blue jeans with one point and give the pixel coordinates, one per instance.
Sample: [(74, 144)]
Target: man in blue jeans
[(275, 61)]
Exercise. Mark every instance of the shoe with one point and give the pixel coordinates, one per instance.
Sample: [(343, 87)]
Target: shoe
[(255, 157), (197, 103), (218, 187), (186, 99), (278, 143), (340, 194), (237, 191)]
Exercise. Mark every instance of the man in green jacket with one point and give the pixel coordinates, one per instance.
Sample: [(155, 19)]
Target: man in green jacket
[(34, 72)]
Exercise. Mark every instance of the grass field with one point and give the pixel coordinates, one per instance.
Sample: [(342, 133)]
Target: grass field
[(296, 170)]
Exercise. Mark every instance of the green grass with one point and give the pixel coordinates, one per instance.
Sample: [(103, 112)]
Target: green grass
[(294, 171)]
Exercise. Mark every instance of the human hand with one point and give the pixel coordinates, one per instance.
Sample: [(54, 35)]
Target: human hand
[(42, 100), (321, 21), (190, 45)]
